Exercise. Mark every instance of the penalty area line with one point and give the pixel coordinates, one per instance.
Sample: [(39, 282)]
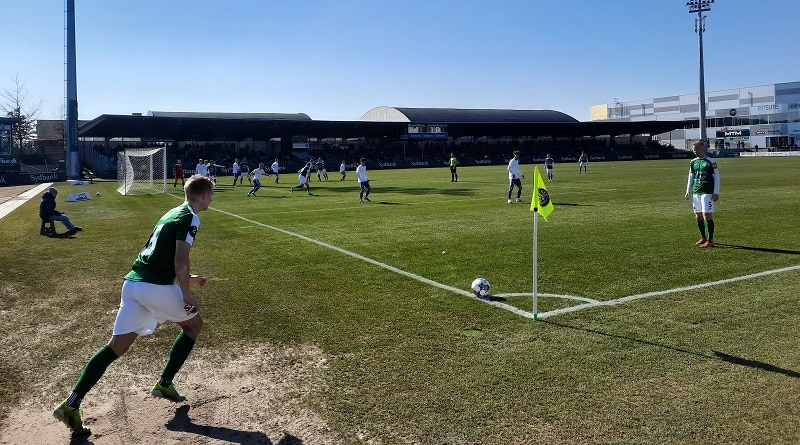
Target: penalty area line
[(666, 291), (382, 265)]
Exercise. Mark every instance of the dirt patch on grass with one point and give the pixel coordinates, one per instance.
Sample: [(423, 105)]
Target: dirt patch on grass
[(241, 395)]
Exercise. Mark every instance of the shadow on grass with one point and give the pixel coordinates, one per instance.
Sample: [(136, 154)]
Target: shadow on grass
[(493, 298), (62, 235), (425, 191), (757, 249), (755, 364), (716, 356), (182, 422), (571, 204)]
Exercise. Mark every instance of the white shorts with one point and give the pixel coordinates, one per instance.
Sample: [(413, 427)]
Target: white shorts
[(549, 170), (302, 179), (144, 305), (583, 164), (703, 203)]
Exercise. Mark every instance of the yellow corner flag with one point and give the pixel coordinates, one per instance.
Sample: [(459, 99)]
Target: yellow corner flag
[(540, 202)]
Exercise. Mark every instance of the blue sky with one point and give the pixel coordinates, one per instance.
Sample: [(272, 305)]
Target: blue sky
[(336, 60)]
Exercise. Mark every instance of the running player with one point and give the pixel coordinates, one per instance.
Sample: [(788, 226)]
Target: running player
[(321, 170), (256, 174), (302, 177), (513, 177), (363, 182), (150, 295)]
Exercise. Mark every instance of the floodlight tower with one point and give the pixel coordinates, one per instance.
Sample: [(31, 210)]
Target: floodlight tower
[(700, 6), (73, 161)]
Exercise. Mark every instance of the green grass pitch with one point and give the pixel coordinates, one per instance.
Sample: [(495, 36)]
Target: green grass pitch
[(413, 361)]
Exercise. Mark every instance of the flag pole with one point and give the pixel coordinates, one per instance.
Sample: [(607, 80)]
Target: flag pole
[(535, 238)]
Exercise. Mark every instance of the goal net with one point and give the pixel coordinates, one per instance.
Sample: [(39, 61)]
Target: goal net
[(142, 171)]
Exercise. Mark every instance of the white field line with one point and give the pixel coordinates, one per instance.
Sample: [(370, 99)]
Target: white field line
[(11, 205), (665, 292), (382, 265), (590, 303)]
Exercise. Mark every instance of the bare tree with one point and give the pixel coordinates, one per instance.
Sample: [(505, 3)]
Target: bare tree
[(14, 102)]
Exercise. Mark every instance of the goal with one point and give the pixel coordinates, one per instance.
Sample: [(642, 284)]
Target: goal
[(142, 171)]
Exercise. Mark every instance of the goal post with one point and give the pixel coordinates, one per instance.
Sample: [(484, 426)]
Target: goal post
[(142, 171)]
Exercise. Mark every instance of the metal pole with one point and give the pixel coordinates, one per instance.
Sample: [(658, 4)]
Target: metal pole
[(700, 29), (72, 159), (699, 6)]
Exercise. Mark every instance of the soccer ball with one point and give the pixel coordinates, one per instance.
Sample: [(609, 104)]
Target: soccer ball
[(480, 287), (98, 193)]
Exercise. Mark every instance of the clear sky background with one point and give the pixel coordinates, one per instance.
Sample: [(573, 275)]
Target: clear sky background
[(336, 60)]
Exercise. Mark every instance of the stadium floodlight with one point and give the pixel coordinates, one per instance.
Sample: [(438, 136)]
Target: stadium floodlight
[(700, 6)]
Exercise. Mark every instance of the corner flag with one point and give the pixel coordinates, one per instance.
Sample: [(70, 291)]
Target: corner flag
[(540, 202)]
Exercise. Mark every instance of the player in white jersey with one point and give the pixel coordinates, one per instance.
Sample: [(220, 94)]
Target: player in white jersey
[(363, 182), (514, 176), (202, 168), (343, 170), (256, 174), (237, 171), (276, 169), (157, 289), (302, 176)]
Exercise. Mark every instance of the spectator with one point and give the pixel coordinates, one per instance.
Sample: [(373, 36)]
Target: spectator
[(48, 212)]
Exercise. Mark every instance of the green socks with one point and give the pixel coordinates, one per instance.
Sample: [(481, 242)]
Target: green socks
[(177, 356), (91, 374), (702, 226)]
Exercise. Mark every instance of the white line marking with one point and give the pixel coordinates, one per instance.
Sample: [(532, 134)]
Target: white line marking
[(566, 297), (590, 303), (667, 291), (12, 204), (383, 265)]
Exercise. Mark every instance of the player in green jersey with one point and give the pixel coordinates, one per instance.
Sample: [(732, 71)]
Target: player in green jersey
[(583, 160), (157, 289), (703, 187), (549, 165)]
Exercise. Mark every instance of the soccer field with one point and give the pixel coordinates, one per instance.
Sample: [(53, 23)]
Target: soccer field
[(644, 337)]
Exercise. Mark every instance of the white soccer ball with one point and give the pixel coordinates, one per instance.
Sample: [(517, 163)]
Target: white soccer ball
[(98, 193), (480, 287)]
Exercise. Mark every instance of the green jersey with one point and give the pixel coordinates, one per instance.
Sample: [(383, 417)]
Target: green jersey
[(702, 174), (156, 261), (549, 163)]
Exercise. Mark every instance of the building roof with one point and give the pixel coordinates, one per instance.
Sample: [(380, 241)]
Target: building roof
[(453, 115), (9, 120), (240, 116), (231, 129)]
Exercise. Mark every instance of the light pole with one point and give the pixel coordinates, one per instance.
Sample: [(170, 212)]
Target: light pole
[(699, 6)]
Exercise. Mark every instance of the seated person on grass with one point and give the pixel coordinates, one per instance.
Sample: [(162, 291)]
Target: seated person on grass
[(48, 212)]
